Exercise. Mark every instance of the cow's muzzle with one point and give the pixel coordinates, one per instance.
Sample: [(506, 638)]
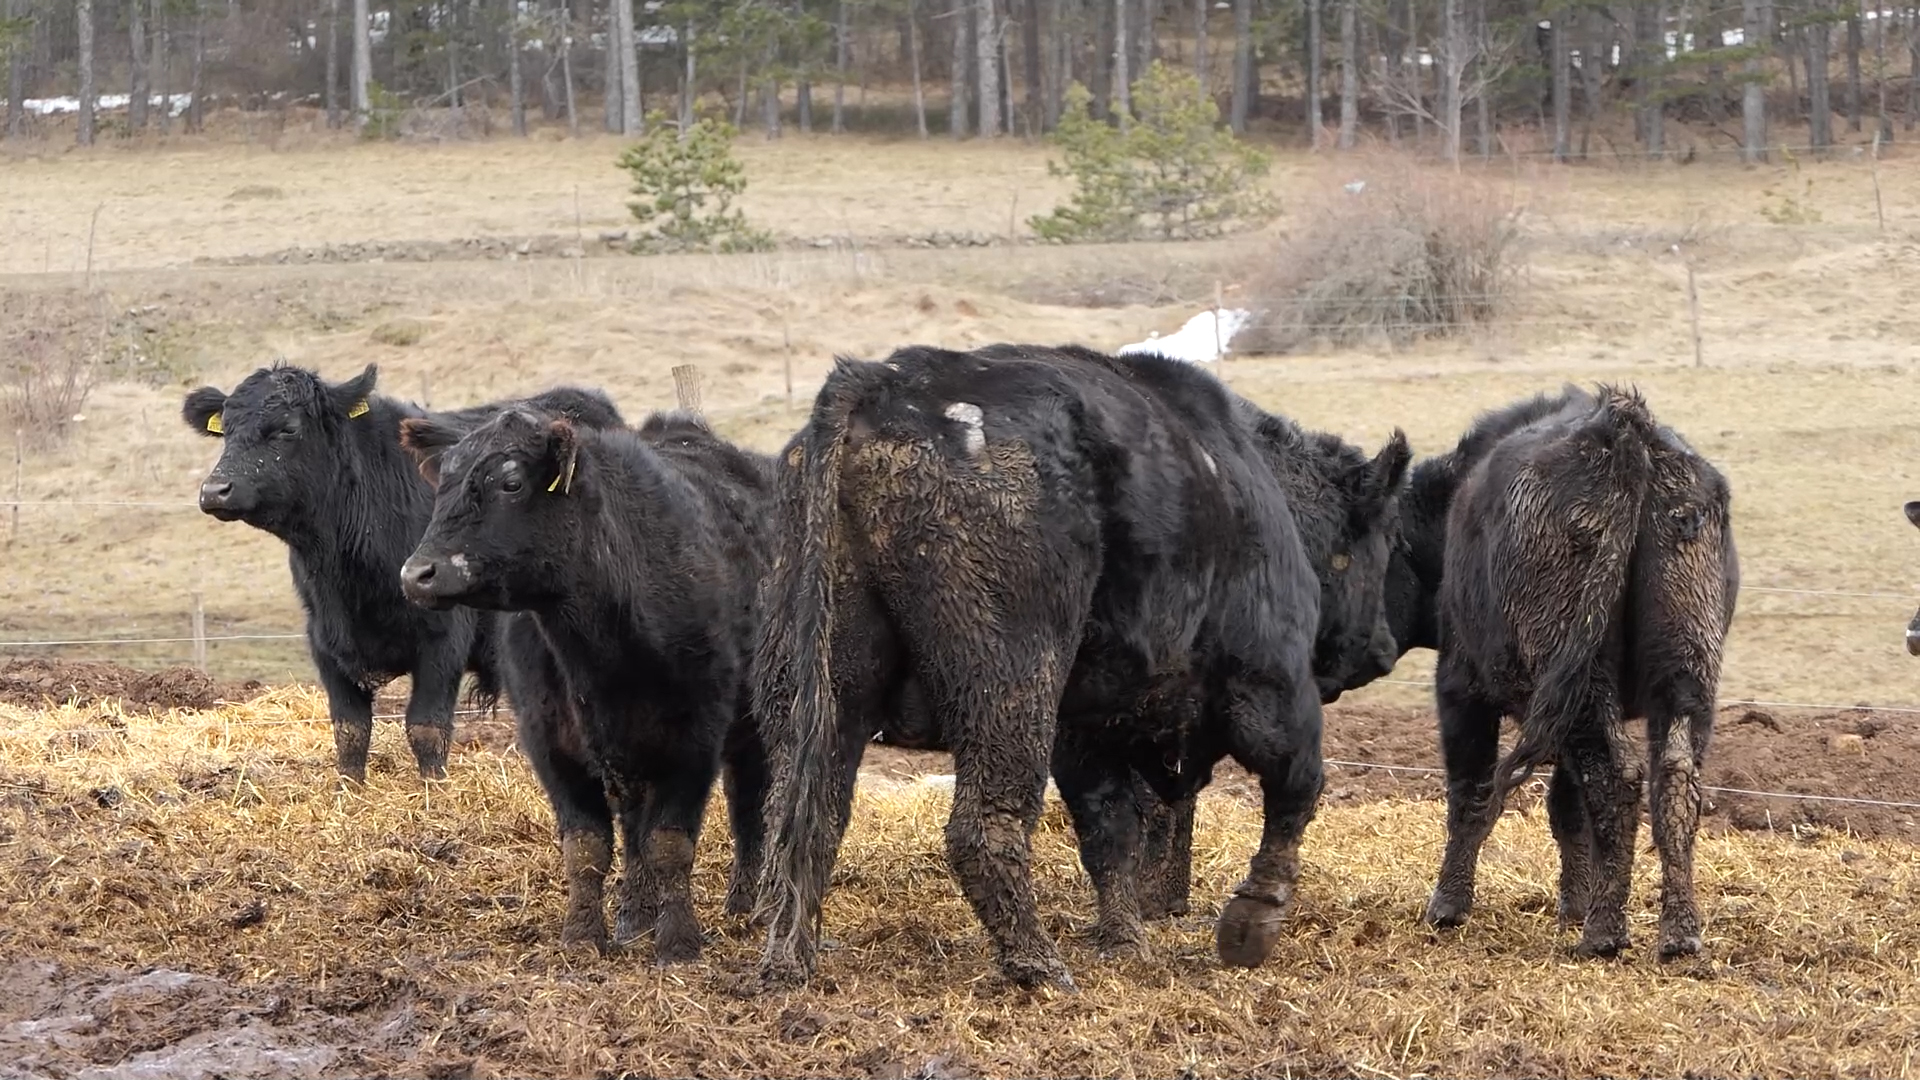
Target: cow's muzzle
[(220, 498), (434, 581), (1913, 640)]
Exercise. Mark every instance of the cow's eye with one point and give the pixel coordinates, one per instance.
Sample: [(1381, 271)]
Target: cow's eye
[(288, 432), (511, 484)]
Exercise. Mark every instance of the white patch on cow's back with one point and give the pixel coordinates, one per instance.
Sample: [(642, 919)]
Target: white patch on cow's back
[(969, 414)]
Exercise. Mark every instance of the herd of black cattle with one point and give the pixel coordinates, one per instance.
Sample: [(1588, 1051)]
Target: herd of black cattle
[(1112, 570)]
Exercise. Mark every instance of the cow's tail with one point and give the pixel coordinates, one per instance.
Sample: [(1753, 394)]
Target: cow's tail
[(799, 710), (1571, 686)]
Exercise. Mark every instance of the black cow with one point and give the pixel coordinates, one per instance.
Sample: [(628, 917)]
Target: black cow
[(637, 556), (1573, 562), (1913, 626), (320, 466), (1073, 560)]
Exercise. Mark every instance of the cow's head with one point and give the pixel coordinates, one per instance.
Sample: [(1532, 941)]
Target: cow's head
[(1419, 556), (1913, 627), (284, 432), (1355, 643), (506, 499)]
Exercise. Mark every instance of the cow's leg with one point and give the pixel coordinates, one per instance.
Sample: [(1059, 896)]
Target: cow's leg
[(1612, 790), (637, 904), (1567, 817), (350, 706), (1469, 748), (746, 787), (436, 691), (1274, 731), (679, 796), (580, 810), (999, 785), (1677, 748), (1098, 788), (1166, 853)]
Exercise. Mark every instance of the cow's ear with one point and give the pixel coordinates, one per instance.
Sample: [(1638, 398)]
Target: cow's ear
[(1373, 485), (350, 397), (1913, 513), (202, 411), (426, 441), (563, 442)]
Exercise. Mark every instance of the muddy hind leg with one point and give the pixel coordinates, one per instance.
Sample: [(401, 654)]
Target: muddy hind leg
[(1274, 732), (679, 802), (1470, 748), (1098, 788), (1677, 748), (1567, 817), (584, 818), (746, 781), (637, 903), (430, 708), (1610, 782), (350, 705), (1166, 853)]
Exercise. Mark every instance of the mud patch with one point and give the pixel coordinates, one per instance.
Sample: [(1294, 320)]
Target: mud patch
[(35, 683)]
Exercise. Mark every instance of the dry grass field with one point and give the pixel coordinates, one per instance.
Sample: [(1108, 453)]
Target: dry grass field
[(410, 929)]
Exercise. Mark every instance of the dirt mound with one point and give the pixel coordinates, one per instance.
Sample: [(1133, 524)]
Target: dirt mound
[(35, 683)]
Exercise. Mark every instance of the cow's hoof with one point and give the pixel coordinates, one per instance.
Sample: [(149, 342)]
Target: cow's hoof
[(677, 941), (1120, 942), (1675, 946), (1248, 930), (782, 973), (429, 751), (1446, 911), (740, 899), (584, 934), (1572, 916), (1039, 973), (1169, 909), (1601, 946), (633, 922), (352, 779)]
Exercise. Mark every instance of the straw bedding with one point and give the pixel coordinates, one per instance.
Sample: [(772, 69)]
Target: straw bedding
[(192, 893)]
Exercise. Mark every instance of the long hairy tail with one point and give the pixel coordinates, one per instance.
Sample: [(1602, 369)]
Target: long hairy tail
[(1569, 685), (799, 718)]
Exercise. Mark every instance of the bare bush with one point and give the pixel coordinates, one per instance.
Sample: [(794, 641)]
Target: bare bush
[(1396, 252), (47, 369)]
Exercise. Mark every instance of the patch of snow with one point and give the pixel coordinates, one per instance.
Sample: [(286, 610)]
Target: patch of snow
[(175, 104), (1202, 340)]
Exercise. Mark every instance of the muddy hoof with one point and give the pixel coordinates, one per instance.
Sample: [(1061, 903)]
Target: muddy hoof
[(677, 942), (1120, 943), (633, 923), (1039, 973), (1593, 946), (740, 899), (783, 973), (1572, 917), (1673, 947), (1446, 911), (430, 751), (1248, 930), (584, 934)]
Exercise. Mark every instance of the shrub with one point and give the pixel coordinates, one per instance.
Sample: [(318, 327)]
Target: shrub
[(687, 181), (48, 366), (1175, 174), (1405, 254)]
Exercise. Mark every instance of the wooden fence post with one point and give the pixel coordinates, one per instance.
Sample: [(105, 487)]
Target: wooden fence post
[(1693, 315), (19, 468), (686, 387), (199, 633)]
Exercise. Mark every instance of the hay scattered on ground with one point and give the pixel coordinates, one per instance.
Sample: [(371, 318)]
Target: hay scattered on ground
[(411, 927)]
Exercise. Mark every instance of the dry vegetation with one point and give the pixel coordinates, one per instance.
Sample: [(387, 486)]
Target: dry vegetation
[(410, 928)]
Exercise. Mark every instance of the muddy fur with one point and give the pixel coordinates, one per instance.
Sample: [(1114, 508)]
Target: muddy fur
[(319, 466), (1040, 559), (1586, 576), (631, 560)]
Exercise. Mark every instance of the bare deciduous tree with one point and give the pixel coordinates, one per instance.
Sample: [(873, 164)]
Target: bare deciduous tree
[(1349, 73), (137, 88), (913, 53), (1122, 79), (333, 63), (83, 21), (1819, 105), (1753, 94), (1314, 51), (960, 16), (16, 77), (1466, 69), (840, 68), (516, 83), (628, 66), (1562, 89), (362, 63)]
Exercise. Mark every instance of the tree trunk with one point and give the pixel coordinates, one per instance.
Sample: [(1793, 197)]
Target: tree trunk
[(516, 79), (1349, 73), (1562, 86), (1415, 79), (803, 104), (83, 19), (1201, 8), (1651, 50), (1006, 77), (961, 14), (1122, 78), (1753, 93), (1057, 71), (1453, 68), (840, 68), (1142, 38), (565, 31), (137, 96), (987, 51), (158, 61), (1100, 78), (196, 105), (1853, 71), (1593, 57), (453, 55), (1393, 42), (630, 121), (1819, 105), (333, 64), (913, 55), (1314, 51), (362, 63), (1482, 107), (16, 79), (1913, 72), (688, 86), (1030, 38)]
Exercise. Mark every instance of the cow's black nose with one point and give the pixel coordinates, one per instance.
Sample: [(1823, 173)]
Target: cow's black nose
[(416, 576), (216, 492)]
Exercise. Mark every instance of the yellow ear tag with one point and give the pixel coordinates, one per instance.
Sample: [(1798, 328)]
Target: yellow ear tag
[(360, 408), (555, 486), (214, 426)]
